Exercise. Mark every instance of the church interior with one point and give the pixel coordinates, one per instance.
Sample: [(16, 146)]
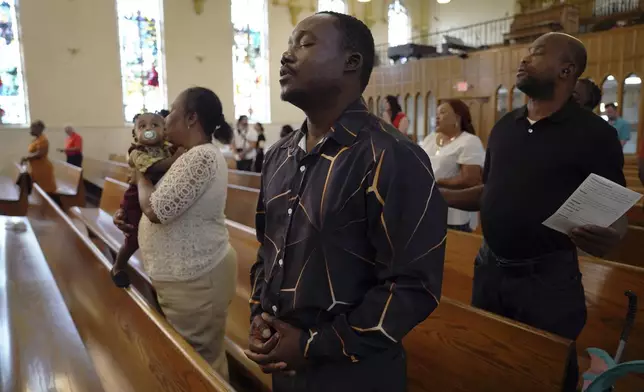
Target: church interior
[(92, 65)]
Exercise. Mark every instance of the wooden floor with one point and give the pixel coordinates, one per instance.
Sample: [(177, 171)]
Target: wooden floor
[(40, 338)]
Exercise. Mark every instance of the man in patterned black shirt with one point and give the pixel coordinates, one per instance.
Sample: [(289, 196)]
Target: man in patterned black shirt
[(351, 225)]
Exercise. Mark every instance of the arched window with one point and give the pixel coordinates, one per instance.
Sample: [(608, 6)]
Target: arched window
[(13, 101), (518, 98), (609, 94), (378, 109), (630, 106), (399, 24), (501, 102), (250, 59), (420, 117), (410, 111), (142, 63), (431, 112), (332, 5)]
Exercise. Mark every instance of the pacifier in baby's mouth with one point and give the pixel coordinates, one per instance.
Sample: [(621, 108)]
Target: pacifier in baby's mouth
[(150, 134)]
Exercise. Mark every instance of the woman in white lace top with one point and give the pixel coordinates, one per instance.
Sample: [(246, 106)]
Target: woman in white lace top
[(183, 236)]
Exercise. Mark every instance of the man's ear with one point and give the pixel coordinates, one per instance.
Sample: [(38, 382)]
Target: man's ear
[(569, 71), (353, 63)]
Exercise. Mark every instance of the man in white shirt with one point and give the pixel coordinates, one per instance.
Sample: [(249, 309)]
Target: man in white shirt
[(245, 144)]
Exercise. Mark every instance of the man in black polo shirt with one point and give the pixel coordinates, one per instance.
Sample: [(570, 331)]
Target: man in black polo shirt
[(536, 157)]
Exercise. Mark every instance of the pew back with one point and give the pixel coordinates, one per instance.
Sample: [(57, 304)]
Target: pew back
[(604, 284), (37, 323), (241, 203), (96, 171), (244, 178), (69, 183), (13, 195), (133, 348), (457, 348)]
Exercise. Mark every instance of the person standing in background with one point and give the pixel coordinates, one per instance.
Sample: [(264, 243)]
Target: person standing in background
[(73, 147), (623, 128), (245, 144), (40, 168), (457, 156), (587, 94), (394, 115), (261, 140)]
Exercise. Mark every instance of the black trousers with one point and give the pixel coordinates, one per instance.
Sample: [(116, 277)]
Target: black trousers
[(385, 372), (76, 160), (544, 292), (245, 165)]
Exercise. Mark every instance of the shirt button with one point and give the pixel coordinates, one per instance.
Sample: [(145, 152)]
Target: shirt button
[(302, 168), (280, 262), (290, 211), (274, 309), (530, 130)]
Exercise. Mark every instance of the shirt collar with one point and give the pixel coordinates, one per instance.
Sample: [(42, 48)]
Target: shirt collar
[(345, 129), (560, 115)]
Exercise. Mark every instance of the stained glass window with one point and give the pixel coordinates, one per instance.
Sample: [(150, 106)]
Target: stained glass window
[(250, 59), (142, 65), (399, 25), (332, 5), (13, 102)]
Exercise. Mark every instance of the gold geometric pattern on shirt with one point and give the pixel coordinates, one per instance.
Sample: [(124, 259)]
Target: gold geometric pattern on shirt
[(328, 175), (379, 326), (335, 302), (344, 350), (297, 283)]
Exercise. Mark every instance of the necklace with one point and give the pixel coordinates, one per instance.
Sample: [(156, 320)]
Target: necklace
[(440, 142)]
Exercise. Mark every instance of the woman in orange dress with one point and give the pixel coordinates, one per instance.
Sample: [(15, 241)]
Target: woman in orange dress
[(40, 168)]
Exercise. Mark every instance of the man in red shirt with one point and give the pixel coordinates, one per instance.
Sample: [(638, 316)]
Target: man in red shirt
[(73, 147)]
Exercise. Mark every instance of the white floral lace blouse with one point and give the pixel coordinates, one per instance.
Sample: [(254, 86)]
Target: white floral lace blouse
[(189, 201)]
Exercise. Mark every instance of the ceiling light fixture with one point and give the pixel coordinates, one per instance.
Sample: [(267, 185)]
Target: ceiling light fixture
[(443, 1)]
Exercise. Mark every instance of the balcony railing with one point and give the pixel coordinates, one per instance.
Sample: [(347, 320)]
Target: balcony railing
[(477, 35), (490, 33)]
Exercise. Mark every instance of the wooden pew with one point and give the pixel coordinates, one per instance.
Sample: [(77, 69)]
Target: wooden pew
[(604, 284), (13, 196), (96, 171), (241, 204), (37, 323), (230, 160), (69, 182), (99, 224), (630, 251), (117, 158), (545, 375), (457, 348), (244, 178), (132, 347)]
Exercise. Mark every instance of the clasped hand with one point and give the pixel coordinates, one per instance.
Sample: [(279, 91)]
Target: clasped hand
[(275, 345), (595, 240)]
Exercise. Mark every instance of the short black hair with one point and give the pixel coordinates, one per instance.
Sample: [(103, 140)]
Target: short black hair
[(39, 124), (207, 105), (610, 105), (163, 113), (357, 37), (595, 93)]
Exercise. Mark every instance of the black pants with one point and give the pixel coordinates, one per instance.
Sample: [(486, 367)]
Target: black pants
[(385, 372), (544, 292), (245, 165), (76, 160)]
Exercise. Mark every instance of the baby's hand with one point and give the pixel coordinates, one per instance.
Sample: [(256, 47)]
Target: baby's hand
[(179, 152)]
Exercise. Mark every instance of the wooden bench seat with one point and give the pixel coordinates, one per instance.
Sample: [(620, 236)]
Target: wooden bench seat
[(244, 178), (38, 324), (69, 182), (604, 284), (14, 196), (132, 347)]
